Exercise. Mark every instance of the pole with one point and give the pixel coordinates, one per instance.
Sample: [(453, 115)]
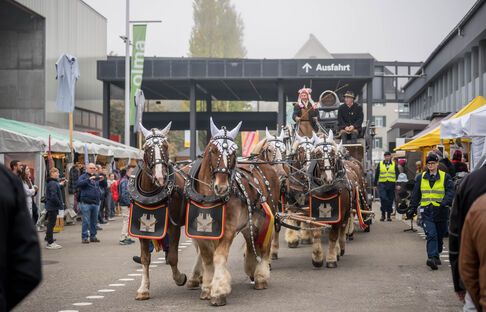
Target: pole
[(127, 74), (71, 136), (192, 120)]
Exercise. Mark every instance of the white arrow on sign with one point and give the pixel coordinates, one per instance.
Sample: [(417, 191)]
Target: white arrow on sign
[(307, 66)]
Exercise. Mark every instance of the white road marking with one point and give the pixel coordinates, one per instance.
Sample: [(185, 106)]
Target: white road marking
[(95, 297), (134, 274), (153, 266), (182, 247), (161, 258), (126, 279), (139, 270), (444, 256), (157, 262), (69, 311), (187, 244), (116, 285), (106, 290), (445, 260), (81, 304)]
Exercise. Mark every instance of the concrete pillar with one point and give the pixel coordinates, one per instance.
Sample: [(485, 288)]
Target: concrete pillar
[(192, 119), (474, 69), (369, 115), (481, 66), (467, 76), (209, 109), (106, 109), (281, 118)]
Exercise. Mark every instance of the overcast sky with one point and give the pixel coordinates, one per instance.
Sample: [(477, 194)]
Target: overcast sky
[(403, 30)]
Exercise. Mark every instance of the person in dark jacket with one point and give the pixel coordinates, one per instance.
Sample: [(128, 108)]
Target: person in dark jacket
[(103, 186), (459, 165), (89, 202), (350, 118), (433, 193), (54, 203), (20, 259), (470, 189), (386, 175)]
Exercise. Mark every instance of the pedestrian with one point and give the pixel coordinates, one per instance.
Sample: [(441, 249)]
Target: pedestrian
[(459, 165), (20, 259), (54, 203), (350, 119), (386, 175), (470, 189), (15, 166), (124, 200), (103, 185), (110, 204), (418, 168), (433, 192), (89, 201), (472, 259), (29, 188), (74, 174)]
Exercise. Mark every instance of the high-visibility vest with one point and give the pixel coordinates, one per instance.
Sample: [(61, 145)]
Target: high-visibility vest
[(432, 195), (387, 175)]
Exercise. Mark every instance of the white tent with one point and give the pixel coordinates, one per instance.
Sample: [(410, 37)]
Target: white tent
[(472, 125)]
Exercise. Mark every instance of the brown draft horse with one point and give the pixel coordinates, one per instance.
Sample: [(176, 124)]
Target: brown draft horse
[(216, 177), (330, 177), (154, 177)]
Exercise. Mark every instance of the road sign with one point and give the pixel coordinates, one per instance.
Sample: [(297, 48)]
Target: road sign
[(326, 67)]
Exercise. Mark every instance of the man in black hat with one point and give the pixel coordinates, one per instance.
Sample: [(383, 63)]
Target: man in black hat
[(386, 175), (350, 118), (433, 193)]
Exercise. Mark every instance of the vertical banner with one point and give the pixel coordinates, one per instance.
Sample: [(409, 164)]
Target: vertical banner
[(249, 139), (136, 72)]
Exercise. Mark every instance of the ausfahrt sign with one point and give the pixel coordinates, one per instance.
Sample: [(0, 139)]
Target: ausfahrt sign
[(325, 67)]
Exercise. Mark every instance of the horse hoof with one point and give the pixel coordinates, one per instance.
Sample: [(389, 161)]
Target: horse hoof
[(293, 244), (274, 256), (342, 252), (317, 264), (331, 264), (143, 296), (218, 301), (306, 241), (205, 295), (351, 237), (338, 258), (193, 284), (261, 285), (183, 282)]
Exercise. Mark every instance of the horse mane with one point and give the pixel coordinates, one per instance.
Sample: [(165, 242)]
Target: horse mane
[(258, 148)]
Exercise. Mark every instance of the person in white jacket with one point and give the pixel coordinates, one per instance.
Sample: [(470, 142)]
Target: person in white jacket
[(29, 188)]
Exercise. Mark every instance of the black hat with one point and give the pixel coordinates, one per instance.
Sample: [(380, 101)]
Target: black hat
[(349, 94), (432, 157), (387, 153)]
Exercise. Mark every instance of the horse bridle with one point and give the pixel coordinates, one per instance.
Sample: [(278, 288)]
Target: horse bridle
[(153, 141), (334, 163), (226, 146), (280, 145)]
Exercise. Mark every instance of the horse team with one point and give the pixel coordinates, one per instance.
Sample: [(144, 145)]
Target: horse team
[(259, 194)]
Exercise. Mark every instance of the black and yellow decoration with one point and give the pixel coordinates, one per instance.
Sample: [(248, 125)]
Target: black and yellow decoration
[(148, 222), (205, 222), (326, 210)]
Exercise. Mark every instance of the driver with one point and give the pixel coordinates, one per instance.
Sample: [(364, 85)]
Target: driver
[(350, 119), (305, 109)]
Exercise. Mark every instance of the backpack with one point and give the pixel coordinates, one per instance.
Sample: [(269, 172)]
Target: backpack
[(114, 190)]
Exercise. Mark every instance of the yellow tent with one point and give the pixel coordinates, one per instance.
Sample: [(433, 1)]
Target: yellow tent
[(432, 137)]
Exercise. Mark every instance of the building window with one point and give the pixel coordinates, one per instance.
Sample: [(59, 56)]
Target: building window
[(380, 121), (378, 142)]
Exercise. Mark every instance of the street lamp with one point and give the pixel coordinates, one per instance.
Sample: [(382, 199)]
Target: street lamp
[(126, 38)]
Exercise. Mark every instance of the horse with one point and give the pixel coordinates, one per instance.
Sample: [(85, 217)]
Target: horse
[(245, 190), (297, 187), (329, 178), (157, 183)]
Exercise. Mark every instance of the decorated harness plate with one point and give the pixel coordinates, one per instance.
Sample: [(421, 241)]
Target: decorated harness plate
[(327, 209), (148, 222), (205, 221)]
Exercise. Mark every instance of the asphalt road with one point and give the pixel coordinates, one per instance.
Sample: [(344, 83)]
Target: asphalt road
[(383, 270)]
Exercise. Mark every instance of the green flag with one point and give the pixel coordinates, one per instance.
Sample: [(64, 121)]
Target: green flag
[(136, 72)]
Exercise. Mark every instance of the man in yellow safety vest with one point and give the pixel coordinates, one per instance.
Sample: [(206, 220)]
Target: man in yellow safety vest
[(433, 193), (386, 174)]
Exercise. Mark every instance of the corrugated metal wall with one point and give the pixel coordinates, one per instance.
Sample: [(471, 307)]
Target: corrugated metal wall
[(72, 27)]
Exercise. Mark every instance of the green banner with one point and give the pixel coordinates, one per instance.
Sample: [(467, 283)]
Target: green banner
[(136, 72)]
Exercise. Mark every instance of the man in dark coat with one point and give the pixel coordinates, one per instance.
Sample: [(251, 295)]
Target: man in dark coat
[(433, 193), (470, 189), (350, 119), (20, 260), (89, 203), (54, 203)]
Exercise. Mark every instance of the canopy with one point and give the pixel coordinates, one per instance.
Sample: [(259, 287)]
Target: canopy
[(17, 136), (470, 125), (431, 136)]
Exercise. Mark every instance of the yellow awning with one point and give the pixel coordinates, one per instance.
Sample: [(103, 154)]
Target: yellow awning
[(432, 137)]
